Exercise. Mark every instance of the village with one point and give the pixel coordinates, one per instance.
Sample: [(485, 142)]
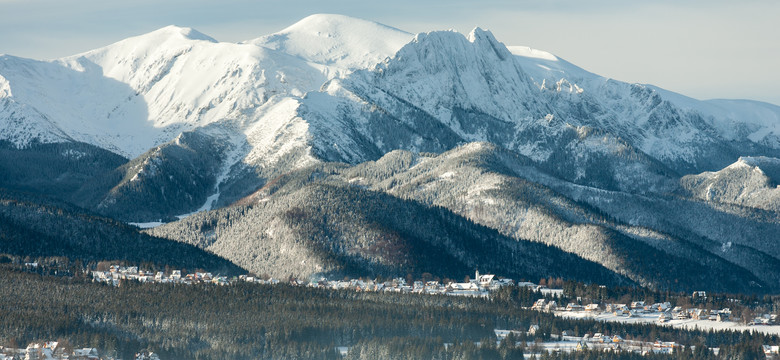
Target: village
[(480, 286), (662, 314), (567, 341), (53, 350)]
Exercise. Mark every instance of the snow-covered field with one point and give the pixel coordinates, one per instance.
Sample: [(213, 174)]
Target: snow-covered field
[(683, 324)]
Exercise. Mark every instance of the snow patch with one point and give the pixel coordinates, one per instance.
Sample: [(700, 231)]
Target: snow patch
[(146, 225), (73, 154), (489, 182), (447, 175), (532, 53)]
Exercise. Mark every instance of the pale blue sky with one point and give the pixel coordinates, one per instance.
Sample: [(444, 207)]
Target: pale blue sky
[(703, 49)]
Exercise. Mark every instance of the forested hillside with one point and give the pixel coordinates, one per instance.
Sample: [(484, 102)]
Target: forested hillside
[(377, 213), (665, 242), (32, 226), (336, 229), (56, 170)]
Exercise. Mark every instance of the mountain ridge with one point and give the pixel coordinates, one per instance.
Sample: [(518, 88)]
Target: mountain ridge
[(179, 44), (178, 123)]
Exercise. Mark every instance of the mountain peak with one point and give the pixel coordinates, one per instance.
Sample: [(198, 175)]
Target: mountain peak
[(179, 31), (333, 23), (480, 33), (168, 37), (336, 40), (768, 166), (483, 37)]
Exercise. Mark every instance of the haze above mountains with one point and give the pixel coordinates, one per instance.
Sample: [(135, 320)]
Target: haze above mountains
[(342, 146)]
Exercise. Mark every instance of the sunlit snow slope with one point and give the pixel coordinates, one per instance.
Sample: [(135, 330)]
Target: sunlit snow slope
[(336, 88), (145, 90)]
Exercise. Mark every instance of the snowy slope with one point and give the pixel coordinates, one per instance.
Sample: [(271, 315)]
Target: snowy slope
[(633, 107), (143, 91), (733, 119), (751, 181), (445, 74), (336, 88), (444, 89), (759, 121), (336, 41), (21, 123)]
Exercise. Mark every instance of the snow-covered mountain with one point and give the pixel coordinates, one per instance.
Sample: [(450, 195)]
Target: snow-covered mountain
[(201, 124), (475, 87), (143, 91)]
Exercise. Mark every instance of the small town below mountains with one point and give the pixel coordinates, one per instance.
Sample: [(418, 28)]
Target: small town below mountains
[(534, 342), (480, 286)]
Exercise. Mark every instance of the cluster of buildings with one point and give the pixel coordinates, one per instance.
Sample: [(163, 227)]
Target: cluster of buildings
[(665, 311), (115, 274), (616, 343), (569, 342), (480, 286), (659, 312), (49, 350), (765, 319), (52, 350), (604, 342), (771, 351), (544, 305)]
